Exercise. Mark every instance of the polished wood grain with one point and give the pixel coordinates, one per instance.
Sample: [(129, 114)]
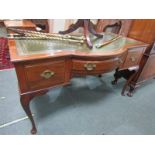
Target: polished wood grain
[(35, 77), (146, 70), (19, 24), (143, 30), (133, 57), (80, 67)]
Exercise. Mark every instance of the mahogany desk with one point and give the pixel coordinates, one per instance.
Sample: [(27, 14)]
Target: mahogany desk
[(42, 64)]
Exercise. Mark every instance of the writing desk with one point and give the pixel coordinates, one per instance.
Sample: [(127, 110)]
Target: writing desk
[(42, 64)]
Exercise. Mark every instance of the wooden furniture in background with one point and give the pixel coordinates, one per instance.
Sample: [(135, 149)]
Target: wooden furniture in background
[(146, 70), (121, 26), (87, 26), (41, 23), (38, 70), (143, 30), (20, 24)]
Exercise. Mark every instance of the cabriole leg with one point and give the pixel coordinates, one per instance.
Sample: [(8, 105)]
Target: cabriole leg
[(25, 102)]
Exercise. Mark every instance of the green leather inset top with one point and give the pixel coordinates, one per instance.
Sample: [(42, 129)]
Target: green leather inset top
[(29, 47)]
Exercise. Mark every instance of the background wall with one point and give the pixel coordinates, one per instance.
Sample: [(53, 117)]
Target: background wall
[(140, 29), (56, 25)]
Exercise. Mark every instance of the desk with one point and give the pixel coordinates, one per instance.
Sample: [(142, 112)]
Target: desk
[(42, 64), (20, 24)]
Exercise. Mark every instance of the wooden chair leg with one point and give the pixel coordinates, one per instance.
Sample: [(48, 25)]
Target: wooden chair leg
[(86, 33), (92, 30), (73, 27)]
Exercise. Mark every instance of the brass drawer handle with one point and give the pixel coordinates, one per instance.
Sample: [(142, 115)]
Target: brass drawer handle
[(90, 66), (133, 59), (47, 74)]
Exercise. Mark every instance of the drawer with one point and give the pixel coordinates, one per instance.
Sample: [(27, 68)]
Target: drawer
[(94, 66), (133, 58), (43, 75)]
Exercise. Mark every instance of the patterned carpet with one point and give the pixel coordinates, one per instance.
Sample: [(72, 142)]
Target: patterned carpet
[(5, 62)]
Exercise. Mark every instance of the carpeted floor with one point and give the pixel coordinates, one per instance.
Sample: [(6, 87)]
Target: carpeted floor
[(88, 106), (5, 62)]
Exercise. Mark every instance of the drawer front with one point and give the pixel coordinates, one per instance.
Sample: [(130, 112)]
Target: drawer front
[(95, 66), (133, 59), (45, 75)]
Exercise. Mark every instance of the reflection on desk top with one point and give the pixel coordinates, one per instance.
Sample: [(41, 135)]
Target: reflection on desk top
[(30, 47), (25, 50)]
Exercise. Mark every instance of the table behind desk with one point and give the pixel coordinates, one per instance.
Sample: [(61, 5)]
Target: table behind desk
[(19, 24)]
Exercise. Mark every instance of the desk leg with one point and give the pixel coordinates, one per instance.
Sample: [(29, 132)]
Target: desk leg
[(25, 102)]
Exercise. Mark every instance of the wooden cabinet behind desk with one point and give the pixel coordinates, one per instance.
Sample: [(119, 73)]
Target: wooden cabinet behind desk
[(143, 30)]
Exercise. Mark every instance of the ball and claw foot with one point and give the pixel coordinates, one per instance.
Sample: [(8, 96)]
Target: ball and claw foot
[(33, 131)]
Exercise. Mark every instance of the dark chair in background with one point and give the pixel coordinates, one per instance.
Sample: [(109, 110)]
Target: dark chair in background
[(42, 24), (118, 26)]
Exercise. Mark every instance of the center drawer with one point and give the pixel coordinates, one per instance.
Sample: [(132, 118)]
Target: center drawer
[(43, 75), (95, 67)]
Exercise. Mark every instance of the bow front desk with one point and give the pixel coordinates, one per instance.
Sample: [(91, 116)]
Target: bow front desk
[(43, 64)]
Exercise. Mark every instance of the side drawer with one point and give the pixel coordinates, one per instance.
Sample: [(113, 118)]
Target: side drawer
[(89, 67), (133, 57), (44, 75)]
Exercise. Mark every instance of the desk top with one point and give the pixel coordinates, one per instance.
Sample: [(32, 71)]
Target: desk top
[(21, 50), (19, 23)]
